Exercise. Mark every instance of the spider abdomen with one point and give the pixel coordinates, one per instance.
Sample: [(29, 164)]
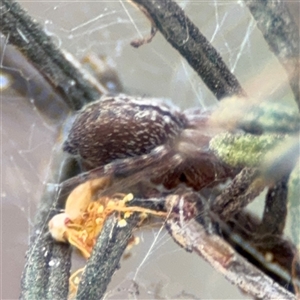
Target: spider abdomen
[(118, 127)]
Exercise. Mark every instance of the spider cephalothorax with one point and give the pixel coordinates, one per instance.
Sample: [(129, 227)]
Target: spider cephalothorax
[(123, 127)]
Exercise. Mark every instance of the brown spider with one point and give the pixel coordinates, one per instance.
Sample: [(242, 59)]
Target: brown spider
[(148, 138), (130, 134), (133, 140)]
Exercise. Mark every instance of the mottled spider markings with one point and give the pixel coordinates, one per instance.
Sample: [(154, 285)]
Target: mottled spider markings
[(132, 132), (118, 127)]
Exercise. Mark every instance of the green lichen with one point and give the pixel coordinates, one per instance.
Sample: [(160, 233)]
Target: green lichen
[(240, 150)]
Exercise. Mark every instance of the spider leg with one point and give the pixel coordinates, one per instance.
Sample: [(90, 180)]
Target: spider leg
[(243, 189), (129, 171), (275, 212)]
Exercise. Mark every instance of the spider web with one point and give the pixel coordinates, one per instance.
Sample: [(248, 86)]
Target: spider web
[(159, 267)]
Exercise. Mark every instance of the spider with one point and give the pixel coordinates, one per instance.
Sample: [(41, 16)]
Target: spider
[(152, 133), (123, 135), (132, 140)]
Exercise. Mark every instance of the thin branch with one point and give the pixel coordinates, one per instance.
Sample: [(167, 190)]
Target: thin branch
[(31, 40), (186, 38), (194, 237), (47, 270), (282, 34), (105, 258)]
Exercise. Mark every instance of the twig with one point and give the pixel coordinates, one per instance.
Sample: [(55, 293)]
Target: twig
[(47, 270), (194, 237), (32, 41), (228, 262), (105, 258), (186, 38), (282, 34)]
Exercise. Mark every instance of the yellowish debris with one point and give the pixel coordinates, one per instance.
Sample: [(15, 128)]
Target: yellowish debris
[(84, 217)]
